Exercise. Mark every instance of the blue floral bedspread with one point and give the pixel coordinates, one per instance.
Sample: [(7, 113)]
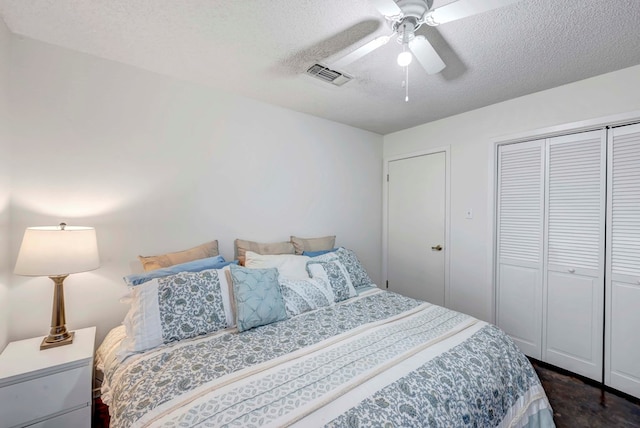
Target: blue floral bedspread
[(380, 359), (473, 384)]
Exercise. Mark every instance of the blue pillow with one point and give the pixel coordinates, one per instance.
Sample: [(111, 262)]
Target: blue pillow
[(318, 253), (258, 297), (216, 262)]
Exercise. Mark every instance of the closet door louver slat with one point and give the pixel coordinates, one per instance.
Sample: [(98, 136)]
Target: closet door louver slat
[(520, 203), (625, 205), (574, 191)]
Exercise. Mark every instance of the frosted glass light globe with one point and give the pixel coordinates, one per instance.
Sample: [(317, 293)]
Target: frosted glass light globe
[(404, 58)]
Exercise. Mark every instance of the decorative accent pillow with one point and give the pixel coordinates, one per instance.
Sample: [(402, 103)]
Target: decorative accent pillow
[(216, 262), (357, 273), (301, 296), (242, 246), (313, 244), (209, 249), (176, 307), (288, 265), (336, 275), (258, 297)]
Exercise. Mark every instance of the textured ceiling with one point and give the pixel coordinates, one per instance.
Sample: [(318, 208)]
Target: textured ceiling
[(261, 49)]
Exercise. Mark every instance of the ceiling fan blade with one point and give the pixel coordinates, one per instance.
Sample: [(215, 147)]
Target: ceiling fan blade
[(387, 7), (426, 55), (462, 9), (361, 51)]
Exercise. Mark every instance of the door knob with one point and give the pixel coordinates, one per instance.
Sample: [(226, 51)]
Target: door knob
[(437, 248)]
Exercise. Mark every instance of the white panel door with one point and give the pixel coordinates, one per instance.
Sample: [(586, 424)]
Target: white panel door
[(574, 283), (574, 323), (416, 227), (624, 348), (519, 313), (520, 198), (622, 336)]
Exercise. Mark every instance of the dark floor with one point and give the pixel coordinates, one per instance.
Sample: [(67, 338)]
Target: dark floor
[(580, 403), (101, 417)]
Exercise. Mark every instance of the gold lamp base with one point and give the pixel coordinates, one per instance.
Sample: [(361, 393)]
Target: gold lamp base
[(58, 335), (52, 342)]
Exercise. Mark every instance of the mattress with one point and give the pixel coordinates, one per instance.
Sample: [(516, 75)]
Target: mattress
[(379, 359)]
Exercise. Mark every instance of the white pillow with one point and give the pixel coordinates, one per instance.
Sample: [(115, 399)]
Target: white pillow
[(289, 266), (145, 327)]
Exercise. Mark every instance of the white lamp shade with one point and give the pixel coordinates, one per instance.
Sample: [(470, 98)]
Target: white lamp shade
[(52, 251)]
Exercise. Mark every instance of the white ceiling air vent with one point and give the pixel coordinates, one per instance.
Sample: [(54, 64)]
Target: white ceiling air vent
[(323, 73)]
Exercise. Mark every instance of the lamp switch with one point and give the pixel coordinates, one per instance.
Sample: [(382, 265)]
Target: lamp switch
[(469, 213)]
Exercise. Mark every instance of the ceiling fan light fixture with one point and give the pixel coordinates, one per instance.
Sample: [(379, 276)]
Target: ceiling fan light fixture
[(404, 58)]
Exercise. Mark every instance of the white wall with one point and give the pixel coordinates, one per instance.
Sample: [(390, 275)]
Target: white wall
[(472, 136), (157, 165), (5, 166)]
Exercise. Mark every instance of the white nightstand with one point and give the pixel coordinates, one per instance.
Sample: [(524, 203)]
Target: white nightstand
[(49, 388)]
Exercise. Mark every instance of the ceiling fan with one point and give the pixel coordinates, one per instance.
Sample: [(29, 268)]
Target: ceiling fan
[(406, 16)]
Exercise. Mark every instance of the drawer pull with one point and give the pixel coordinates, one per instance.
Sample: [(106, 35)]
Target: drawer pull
[(572, 270)]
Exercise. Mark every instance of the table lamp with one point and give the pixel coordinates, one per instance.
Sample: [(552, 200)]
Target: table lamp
[(56, 252)]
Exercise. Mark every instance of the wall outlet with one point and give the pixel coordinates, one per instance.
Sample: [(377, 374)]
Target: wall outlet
[(469, 213)]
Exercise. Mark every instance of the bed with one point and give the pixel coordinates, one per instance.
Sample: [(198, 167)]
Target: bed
[(373, 359)]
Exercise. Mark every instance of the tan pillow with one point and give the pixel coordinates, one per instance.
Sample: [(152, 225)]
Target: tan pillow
[(210, 249), (313, 244), (242, 246)]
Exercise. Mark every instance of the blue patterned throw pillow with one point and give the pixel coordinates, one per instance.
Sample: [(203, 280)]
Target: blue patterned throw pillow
[(304, 295), (336, 275), (175, 307), (258, 297), (190, 305), (357, 273)]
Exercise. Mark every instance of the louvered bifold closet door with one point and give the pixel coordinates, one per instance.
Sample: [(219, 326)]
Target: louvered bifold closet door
[(574, 268), (622, 339), (520, 230)]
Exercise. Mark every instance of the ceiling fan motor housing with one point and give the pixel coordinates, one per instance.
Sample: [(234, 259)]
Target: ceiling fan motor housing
[(414, 8), (413, 11)]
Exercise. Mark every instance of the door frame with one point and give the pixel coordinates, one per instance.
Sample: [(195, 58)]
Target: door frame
[(447, 211)]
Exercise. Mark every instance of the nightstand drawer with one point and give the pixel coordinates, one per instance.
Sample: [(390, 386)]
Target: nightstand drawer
[(80, 418), (42, 396)]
